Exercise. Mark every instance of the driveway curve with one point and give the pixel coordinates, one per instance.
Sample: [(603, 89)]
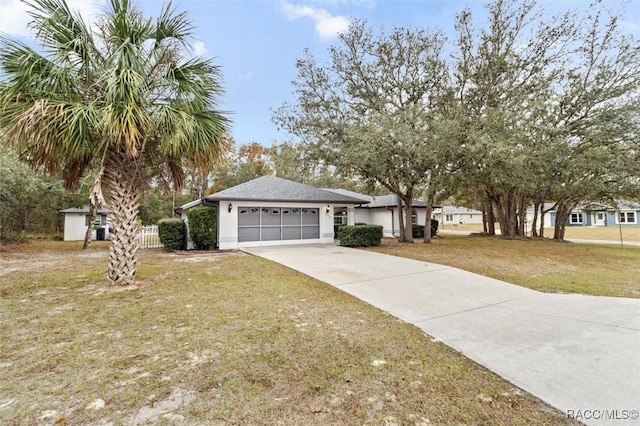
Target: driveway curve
[(579, 353)]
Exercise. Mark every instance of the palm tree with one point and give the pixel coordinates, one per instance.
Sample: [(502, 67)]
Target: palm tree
[(119, 98)]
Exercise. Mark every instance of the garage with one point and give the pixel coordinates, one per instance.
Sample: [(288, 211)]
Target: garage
[(278, 223)]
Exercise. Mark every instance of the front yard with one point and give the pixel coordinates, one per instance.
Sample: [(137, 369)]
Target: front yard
[(223, 338), (538, 264)]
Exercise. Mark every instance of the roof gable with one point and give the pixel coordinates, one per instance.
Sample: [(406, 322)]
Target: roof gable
[(271, 188)]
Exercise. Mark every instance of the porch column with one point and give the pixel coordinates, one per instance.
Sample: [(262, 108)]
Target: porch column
[(351, 215)]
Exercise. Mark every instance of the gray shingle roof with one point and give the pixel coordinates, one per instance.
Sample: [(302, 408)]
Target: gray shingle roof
[(85, 209), (390, 200), (628, 205), (352, 194), (271, 188)]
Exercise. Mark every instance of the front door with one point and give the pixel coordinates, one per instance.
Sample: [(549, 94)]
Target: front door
[(598, 219)]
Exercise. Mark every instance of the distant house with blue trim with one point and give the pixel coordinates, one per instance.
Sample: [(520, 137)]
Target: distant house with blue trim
[(627, 213)]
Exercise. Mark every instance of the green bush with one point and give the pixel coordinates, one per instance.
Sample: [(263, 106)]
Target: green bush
[(203, 222), (360, 235), (434, 227), (173, 234)]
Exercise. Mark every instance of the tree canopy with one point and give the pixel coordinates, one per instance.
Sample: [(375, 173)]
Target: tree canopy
[(529, 108)]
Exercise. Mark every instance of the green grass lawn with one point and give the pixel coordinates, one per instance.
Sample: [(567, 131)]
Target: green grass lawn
[(542, 265), (223, 338)]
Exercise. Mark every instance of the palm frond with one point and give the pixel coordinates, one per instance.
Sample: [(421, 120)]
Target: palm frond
[(62, 32), (172, 25)]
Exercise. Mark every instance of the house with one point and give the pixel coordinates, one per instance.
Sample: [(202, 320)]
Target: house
[(456, 215), (76, 221), (274, 211), (626, 213)]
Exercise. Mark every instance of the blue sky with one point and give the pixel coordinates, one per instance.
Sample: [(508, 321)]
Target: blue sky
[(256, 42)]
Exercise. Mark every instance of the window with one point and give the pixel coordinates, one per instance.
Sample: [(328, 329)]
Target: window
[(340, 219), (627, 217), (101, 220), (414, 217), (448, 218), (575, 218)]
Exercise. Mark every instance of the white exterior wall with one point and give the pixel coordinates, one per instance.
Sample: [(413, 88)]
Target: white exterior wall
[(529, 220), (75, 228), (228, 224), (383, 217)]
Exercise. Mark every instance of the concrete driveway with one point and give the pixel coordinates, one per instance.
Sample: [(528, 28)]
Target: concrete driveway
[(578, 353)]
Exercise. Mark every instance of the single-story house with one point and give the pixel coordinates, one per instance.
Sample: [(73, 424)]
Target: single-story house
[(76, 221), (274, 211), (627, 213), (457, 215)]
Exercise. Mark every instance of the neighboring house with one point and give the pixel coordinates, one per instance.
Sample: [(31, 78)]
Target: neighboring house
[(274, 211), (627, 213), (456, 215), (76, 221)]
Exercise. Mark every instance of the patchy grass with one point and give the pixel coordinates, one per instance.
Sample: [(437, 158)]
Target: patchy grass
[(609, 233), (538, 264), (224, 338)]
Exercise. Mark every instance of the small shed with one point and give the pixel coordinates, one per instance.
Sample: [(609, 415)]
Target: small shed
[(76, 221)]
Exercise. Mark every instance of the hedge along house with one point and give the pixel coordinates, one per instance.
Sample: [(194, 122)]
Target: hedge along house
[(274, 211), (76, 222)]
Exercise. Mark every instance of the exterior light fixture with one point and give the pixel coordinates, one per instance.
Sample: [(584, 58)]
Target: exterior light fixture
[(230, 207), (327, 209)]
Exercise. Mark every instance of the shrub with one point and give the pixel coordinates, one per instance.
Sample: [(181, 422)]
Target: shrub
[(360, 223), (434, 227), (418, 231), (173, 234), (360, 235), (203, 221)]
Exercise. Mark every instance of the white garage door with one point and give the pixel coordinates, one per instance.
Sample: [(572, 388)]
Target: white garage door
[(278, 223)]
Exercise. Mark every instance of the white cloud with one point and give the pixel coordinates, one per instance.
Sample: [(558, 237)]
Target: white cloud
[(199, 49), (14, 17), (327, 25)]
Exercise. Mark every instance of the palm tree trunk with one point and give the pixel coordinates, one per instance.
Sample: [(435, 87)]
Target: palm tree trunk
[(121, 180)]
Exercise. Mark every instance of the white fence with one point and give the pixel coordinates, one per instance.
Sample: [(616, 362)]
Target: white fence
[(148, 237)]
